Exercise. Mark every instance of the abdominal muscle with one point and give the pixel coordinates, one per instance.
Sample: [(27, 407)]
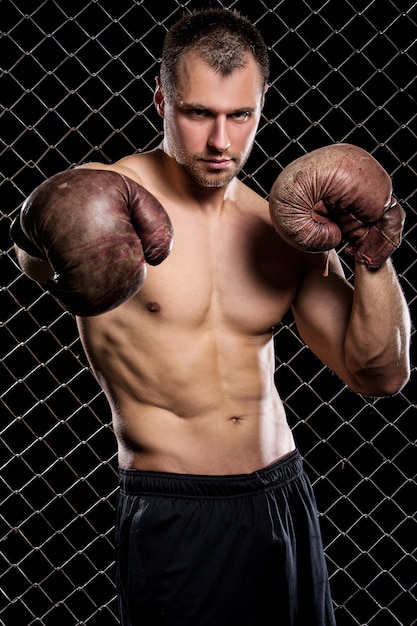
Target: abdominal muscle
[(204, 405), (210, 443)]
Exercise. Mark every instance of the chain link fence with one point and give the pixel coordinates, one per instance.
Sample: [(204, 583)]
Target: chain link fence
[(77, 85)]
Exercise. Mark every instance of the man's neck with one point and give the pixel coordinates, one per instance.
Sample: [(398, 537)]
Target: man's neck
[(208, 198)]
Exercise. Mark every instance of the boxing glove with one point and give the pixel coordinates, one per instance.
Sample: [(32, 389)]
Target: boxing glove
[(97, 229), (334, 194)]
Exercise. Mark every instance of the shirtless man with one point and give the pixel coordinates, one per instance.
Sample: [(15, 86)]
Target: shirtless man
[(216, 522)]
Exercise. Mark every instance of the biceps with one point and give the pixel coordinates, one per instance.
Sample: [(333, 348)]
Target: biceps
[(322, 312)]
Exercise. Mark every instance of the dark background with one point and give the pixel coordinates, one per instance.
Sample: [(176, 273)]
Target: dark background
[(77, 86)]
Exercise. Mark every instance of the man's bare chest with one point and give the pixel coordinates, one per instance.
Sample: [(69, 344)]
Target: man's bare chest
[(234, 276)]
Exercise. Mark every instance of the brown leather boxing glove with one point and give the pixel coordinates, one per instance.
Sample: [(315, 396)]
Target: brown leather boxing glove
[(338, 193), (97, 229)]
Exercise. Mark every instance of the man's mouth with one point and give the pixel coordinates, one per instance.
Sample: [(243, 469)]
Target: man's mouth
[(218, 163)]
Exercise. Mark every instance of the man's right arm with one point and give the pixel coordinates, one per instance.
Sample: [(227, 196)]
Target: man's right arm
[(97, 229)]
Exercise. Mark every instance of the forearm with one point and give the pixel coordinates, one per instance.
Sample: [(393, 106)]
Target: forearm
[(378, 335)]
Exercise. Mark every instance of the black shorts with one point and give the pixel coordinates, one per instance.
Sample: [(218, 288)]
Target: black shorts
[(238, 550)]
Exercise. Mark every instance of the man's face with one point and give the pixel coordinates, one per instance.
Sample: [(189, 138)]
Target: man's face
[(211, 121)]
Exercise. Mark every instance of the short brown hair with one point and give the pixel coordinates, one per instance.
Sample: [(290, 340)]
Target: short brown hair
[(222, 38)]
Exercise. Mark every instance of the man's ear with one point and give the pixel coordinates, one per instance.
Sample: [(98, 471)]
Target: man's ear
[(158, 97)]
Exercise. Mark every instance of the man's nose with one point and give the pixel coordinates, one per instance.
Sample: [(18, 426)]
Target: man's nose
[(219, 139)]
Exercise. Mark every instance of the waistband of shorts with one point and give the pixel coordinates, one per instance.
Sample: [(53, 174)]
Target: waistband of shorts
[(140, 482)]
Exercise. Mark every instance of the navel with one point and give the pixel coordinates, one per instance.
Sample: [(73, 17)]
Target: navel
[(153, 307)]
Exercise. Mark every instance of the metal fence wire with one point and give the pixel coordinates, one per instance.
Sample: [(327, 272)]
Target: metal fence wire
[(77, 85)]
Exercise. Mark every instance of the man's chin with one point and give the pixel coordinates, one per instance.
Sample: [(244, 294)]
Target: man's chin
[(214, 181)]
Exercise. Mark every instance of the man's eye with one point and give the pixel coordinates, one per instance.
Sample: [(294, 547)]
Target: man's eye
[(198, 112), (241, 116)]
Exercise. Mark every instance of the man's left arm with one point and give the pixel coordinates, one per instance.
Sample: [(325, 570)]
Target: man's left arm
[(377, 338), (341, 193), (361, 333)]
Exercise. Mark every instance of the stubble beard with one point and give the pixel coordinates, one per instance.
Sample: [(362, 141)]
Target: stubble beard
[(191, 164)]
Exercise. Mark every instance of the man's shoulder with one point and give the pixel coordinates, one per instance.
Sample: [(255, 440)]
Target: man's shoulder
[(141, 164), (251, 201), (139, 159), (134, 166)]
